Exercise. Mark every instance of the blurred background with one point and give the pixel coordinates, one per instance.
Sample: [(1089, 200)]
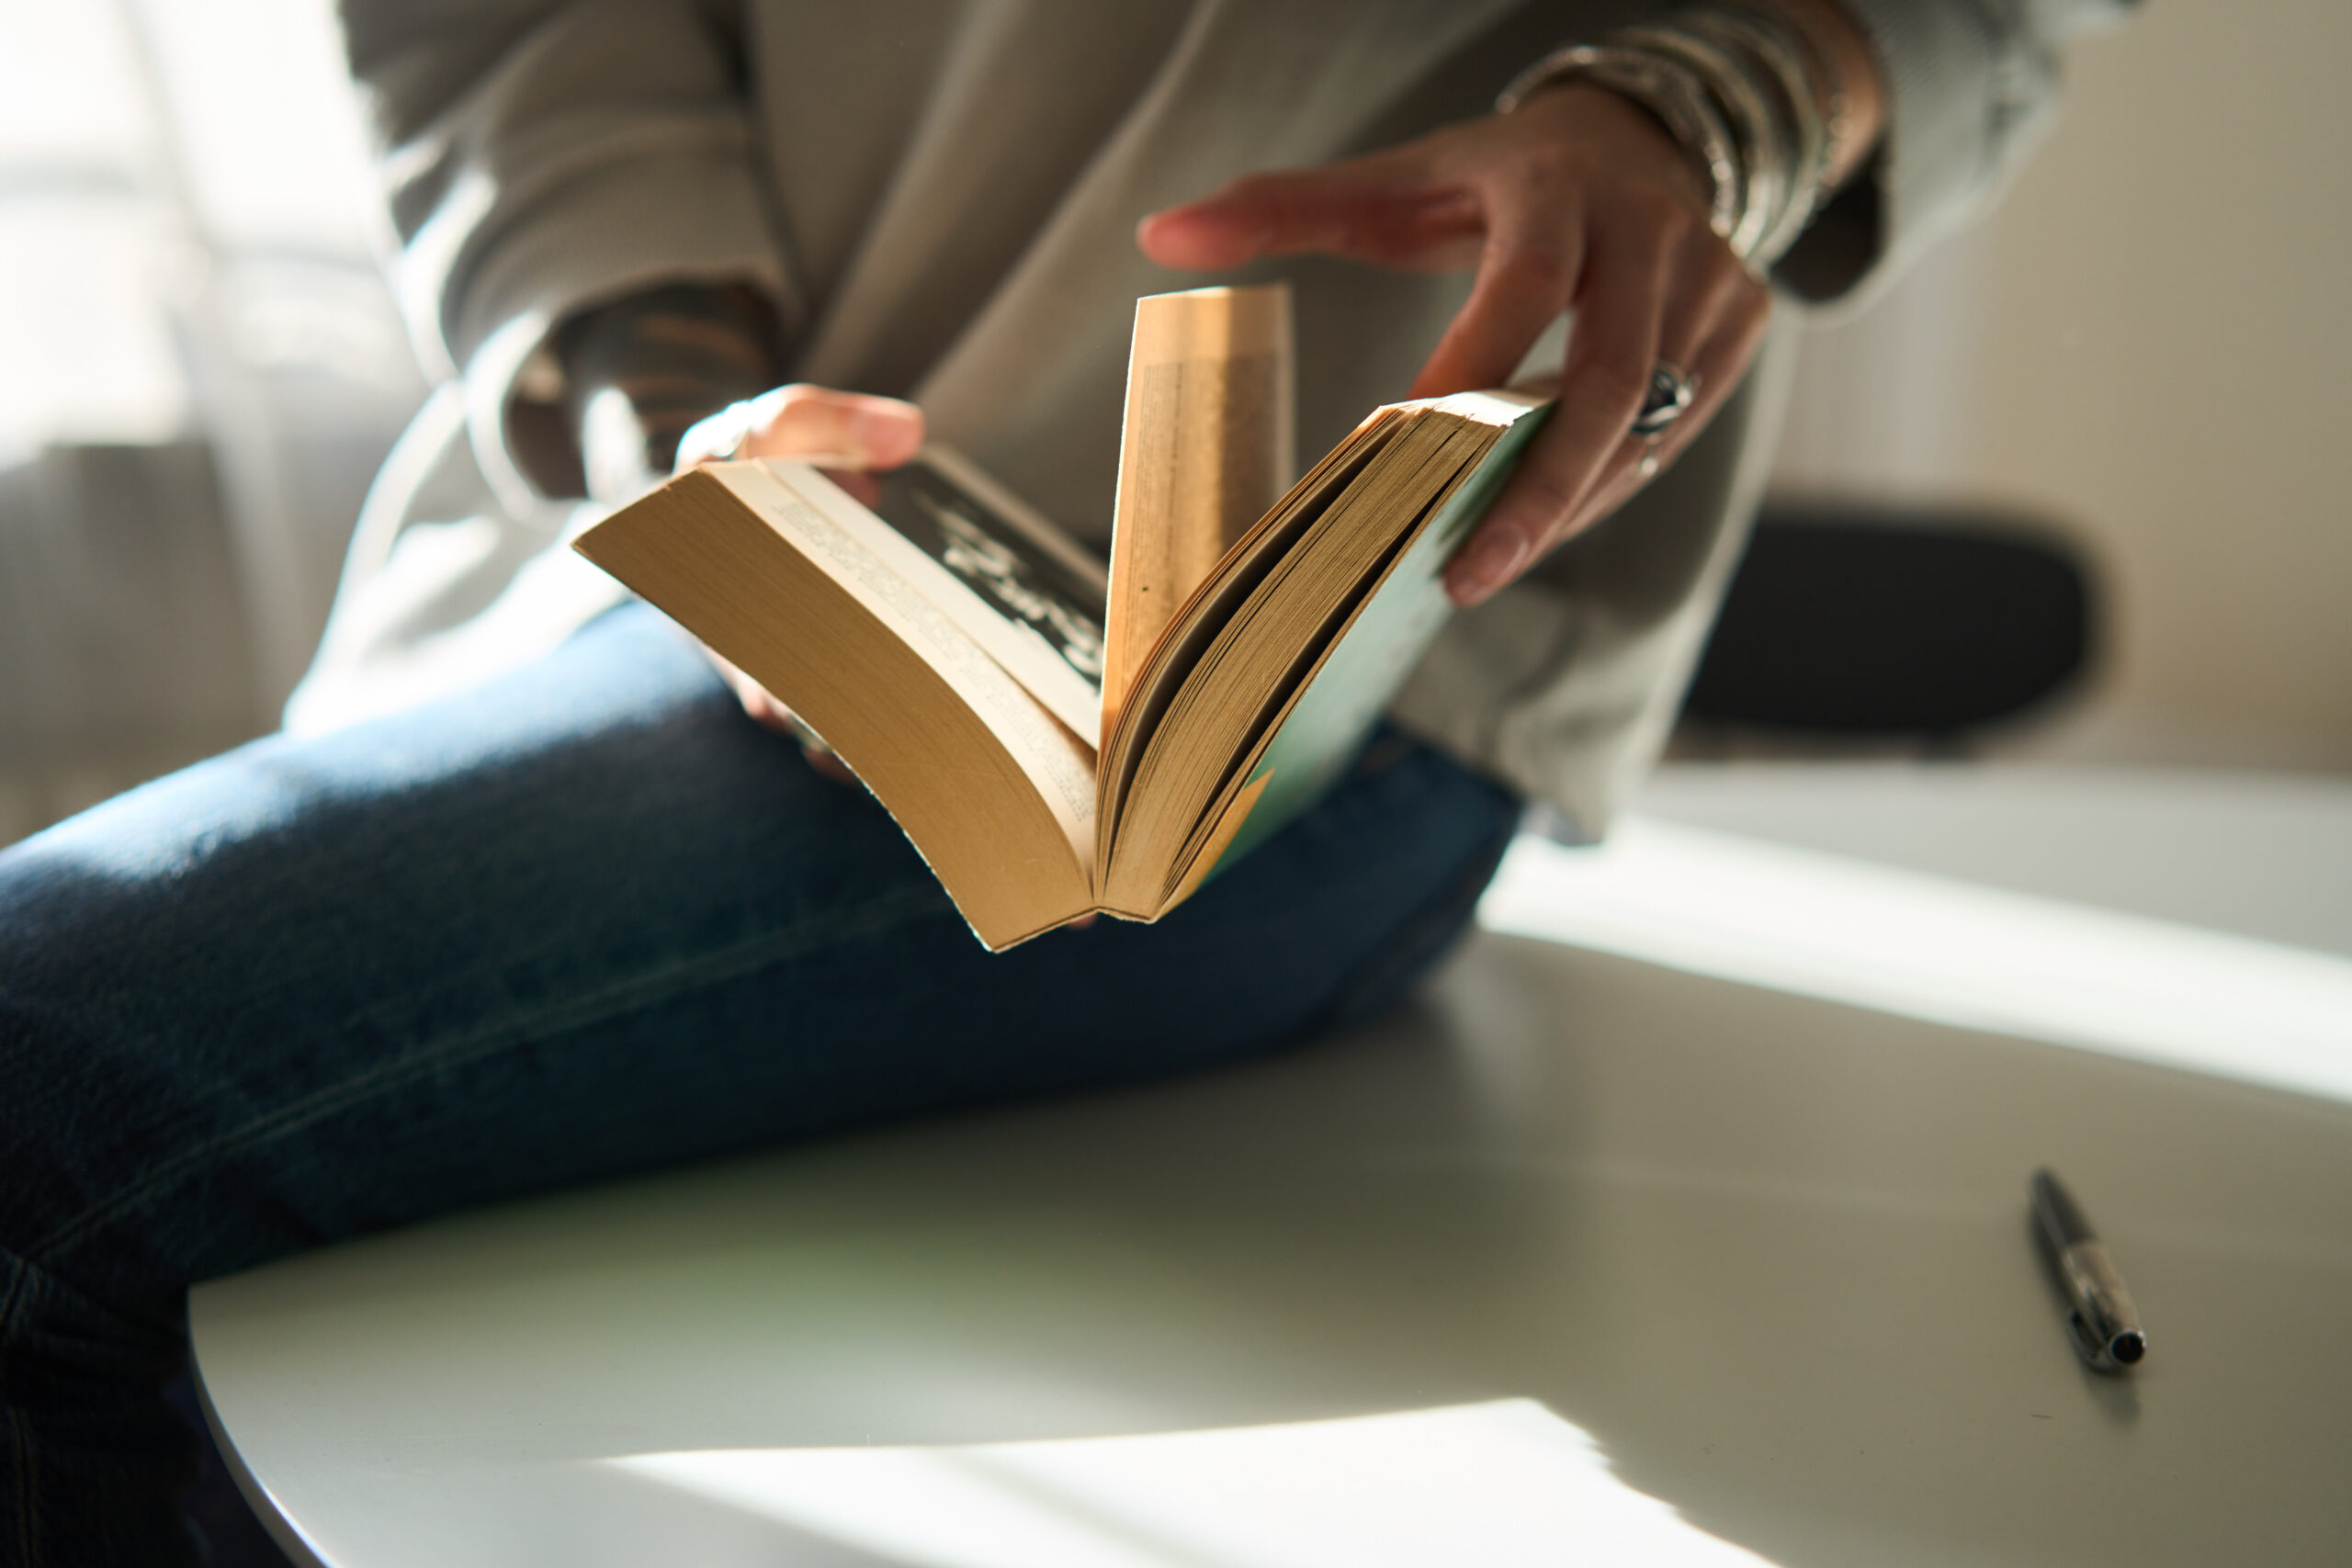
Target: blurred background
[(202, 371), (2137, 356)]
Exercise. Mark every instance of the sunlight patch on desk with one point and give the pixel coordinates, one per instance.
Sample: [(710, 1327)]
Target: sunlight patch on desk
[(1937, 949), (1499, 1485)]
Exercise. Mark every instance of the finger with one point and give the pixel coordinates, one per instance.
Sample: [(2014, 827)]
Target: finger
[(1719, 364), (710, 440), (1382, 208), (1611, 350), (853, 430), (772, 715), (1525, 279), (1710, 292), (1250, 215), (828, 764), (757, 702), (1707, 286), (761, 706), (859, 430), (1716, 368)]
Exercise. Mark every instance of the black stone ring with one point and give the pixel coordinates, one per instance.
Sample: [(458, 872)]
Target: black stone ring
[(1670, 392)]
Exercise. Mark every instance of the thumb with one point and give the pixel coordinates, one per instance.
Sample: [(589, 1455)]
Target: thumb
[(850, 429), (863, 430)]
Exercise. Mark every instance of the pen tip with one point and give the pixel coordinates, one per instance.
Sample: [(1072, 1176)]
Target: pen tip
[(2128, 1348)]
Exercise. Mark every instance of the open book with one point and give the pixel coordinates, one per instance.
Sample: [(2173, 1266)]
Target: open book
[(1056, 738)]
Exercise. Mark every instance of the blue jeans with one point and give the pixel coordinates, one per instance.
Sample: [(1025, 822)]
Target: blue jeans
[(585, 921)]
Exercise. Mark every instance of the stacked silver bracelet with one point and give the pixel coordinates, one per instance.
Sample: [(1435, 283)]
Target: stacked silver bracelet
[(1758, 110)]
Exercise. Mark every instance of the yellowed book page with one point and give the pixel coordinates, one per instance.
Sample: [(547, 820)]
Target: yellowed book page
[(1208, 444), (1236, 812), (944, 736), (1057, 761), (1236, 684), (1026, 656), (1205, 615)]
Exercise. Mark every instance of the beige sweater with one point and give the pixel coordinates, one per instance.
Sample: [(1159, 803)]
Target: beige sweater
[(941, 194)]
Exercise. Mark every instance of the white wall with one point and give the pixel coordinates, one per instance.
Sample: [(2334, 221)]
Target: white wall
[(2148, 342)]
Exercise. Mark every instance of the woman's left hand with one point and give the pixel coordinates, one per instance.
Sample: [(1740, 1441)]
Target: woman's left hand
[(1578, 199), (849, 433)]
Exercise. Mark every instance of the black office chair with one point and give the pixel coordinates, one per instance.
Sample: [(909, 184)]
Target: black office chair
[(1846, 625)]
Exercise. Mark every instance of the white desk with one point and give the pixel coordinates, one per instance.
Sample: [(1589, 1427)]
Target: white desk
[(2262, 855), (1767, 1251)]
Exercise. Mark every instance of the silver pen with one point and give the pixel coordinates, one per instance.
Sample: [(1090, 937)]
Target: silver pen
[(2103, 1322)]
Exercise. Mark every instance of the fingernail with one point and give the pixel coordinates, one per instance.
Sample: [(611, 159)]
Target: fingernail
[(1494, 559)]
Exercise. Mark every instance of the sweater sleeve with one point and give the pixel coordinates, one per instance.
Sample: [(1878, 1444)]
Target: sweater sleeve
[(1971, 87), (543, 155)]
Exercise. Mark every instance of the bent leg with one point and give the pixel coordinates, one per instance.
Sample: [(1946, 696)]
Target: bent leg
[(584, 921)]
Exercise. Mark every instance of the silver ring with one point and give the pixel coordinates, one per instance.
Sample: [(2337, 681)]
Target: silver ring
[(1670, 393)]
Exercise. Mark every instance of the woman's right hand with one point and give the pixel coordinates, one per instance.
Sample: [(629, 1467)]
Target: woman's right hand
[(847, 434)]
